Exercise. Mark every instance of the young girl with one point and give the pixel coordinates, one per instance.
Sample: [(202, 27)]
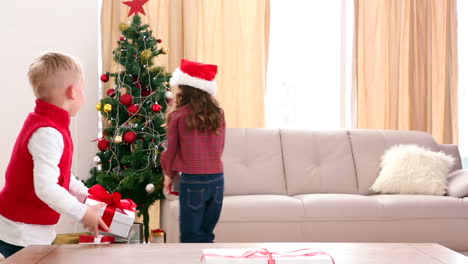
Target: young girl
[(195, 143)]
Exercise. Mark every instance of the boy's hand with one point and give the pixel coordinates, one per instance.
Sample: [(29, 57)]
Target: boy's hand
[(92, 219), (167, 182)]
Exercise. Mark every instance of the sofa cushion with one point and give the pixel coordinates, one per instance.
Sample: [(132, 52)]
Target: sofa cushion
[(345, 207), (269, 208), (410, 169), (253, 163), (349, 207), (318, 162), (369, 145), (251, 208), (407, 206)]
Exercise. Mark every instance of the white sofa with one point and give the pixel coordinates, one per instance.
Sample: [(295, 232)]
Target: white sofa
[(313, 186)]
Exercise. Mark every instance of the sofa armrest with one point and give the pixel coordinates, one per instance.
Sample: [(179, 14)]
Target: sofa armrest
[(452, 150), (458, 183)]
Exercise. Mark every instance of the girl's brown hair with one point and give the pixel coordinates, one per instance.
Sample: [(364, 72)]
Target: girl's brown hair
[(205, 111)]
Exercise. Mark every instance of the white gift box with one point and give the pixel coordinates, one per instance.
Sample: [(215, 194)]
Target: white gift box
[(121, 222), (262, 256)]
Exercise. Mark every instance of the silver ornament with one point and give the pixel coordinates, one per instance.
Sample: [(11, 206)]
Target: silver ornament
[(169, 95), (150, 188)]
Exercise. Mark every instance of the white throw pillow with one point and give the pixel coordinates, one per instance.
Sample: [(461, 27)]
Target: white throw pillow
[(411, 169)]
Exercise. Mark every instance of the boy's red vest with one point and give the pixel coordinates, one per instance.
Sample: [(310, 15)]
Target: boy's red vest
[(18, 201)]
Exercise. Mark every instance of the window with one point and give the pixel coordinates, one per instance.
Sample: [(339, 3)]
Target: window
[(309, 76)]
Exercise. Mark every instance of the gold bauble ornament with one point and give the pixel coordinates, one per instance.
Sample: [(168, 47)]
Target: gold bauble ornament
[(123, 26), (146, 54), (107, 108), (118, 139), (165, 50), (98, 106)]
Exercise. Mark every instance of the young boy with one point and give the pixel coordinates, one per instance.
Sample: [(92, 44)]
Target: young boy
[(38, 181)]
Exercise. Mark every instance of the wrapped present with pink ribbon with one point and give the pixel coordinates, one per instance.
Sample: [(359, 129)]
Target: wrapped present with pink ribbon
[(118, 214), (265, 256)]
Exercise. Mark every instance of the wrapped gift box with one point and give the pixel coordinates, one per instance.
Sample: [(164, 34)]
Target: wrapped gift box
[(158, 236), (118, 214), (90, 239), (264, 256), (71, 238)]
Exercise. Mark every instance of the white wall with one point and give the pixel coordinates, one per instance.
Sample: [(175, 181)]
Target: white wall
[(29, 28)]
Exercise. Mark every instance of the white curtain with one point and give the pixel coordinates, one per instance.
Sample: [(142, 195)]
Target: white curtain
[(462, 9), (309, 76)]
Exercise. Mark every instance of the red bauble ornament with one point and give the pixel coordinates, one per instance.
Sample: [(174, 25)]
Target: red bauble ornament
[(159, 40), (129, 137), (156, 107), (126, 99), (111, 92), (122, 38), (103, 144), (138, 84), (105, 77), (133, 109), (134, 78), (145, 92)]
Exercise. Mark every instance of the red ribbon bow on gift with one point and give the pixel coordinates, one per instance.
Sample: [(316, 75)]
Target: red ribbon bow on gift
[(306, 252), (114, 201)]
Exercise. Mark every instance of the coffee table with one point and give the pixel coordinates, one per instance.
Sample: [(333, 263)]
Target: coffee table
[(343, 253)]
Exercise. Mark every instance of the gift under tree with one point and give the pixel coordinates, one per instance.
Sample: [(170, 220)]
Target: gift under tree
[(133, 112)]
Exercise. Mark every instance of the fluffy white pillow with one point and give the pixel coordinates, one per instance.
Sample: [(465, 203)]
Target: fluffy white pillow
[(411, 169)]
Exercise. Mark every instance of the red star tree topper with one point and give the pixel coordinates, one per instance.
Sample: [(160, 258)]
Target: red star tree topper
[(136, 6)]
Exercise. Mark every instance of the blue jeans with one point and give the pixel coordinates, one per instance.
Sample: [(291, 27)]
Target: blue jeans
[(7, 249), (200, 199)]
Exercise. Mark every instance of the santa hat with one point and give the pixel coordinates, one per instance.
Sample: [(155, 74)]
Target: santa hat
[(197, 75)]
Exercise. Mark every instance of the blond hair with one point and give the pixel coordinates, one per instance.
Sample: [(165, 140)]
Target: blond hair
[(46, 67)]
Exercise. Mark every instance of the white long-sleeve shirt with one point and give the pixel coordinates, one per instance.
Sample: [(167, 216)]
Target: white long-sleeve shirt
[(46, 147)]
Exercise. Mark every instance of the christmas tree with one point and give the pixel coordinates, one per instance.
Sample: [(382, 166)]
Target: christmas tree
[(133, 112)]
